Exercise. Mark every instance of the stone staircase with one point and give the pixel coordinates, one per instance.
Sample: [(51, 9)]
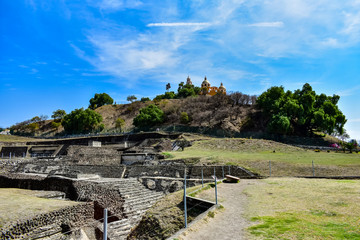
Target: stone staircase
[(138, 199)]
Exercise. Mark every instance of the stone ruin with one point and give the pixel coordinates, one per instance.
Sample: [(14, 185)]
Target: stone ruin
[(125, 174)]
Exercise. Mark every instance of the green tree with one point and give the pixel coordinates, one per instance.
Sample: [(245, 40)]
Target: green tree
[(149, 116), (82, 121), (120, 124), (131, 98), (306, 111), (279, 124), (100, 99), (145, 99), (58, 114)]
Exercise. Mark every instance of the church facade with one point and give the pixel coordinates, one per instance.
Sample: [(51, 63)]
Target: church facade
[(207, 89)]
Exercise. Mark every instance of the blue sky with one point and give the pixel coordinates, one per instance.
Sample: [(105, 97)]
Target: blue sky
[(58, 54)]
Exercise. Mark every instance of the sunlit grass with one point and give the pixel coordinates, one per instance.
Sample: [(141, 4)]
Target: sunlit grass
[(12, 138), (290, 208), (286, 160), (18, 204)]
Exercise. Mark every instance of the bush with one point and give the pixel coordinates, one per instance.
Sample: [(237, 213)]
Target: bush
[(145, 99), (55, 124), (120, 124), (184, 118), (149, 116), (82, 121)]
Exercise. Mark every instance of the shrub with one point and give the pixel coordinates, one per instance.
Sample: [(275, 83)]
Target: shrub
[(144, 99), (184, 118), (149, 116), (82, 121), (120, 124), (55, 124)]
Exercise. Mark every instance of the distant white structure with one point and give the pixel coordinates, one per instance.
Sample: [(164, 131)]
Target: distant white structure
[(5, 132), (94, 143)]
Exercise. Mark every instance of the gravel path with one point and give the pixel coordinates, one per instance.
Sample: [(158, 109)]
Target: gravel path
[(229, 222)]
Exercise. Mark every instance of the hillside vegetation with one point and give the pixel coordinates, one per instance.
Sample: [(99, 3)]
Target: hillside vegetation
[(274, 114)]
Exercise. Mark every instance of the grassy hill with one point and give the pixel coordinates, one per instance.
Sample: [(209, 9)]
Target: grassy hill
[(255, 154)]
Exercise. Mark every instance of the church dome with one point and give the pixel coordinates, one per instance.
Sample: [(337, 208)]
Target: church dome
[(222, 86), (205, 83)]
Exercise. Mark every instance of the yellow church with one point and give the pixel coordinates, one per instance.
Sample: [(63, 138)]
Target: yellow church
[(207, 89)]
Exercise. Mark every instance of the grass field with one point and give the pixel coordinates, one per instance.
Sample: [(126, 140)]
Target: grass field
[(285, 160), (18, 204), (293, 208), (12, 138)]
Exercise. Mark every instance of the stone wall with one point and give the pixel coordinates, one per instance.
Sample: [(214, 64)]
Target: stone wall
[(169, 185), (135, 137), (192, 171), (105, 196), (49, 223), (69, 169), (16, 151), (94, 156)]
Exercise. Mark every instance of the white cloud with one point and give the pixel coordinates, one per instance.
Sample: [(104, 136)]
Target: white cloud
[(179, 24), (331, 42), (267, 24), (114, 5), (195, 40), (349, 92), (354, 120)]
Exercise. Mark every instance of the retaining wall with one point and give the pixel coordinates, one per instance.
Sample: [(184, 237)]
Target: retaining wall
[(55, 221)]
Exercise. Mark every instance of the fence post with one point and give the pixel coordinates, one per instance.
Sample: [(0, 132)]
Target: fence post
[(215, 187), (269, 168), (105, 224), (202, 177), (185, 207), (313, 168), (10, 156)]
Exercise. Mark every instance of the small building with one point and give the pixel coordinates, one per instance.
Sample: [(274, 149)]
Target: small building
[(93, 143), (5, 132)]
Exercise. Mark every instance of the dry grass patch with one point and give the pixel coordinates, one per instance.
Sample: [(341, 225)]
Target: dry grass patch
[(290, 208), (18, 204)]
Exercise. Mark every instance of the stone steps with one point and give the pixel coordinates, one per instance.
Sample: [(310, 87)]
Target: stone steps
[(138, 199), (145, 195)]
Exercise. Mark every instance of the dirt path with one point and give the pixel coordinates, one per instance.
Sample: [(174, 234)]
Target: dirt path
[(229, 222)]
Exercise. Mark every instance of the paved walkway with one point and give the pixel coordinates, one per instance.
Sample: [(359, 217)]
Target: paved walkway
[(229, 222)]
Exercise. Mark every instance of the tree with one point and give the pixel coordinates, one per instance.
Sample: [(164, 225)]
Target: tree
[(100, 99), (168, 86), (279, 124), (149, 116), (58, 114), (145, 99), (120, 124), (351, 145), (306, 111), (131, 98), (82, 121)]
